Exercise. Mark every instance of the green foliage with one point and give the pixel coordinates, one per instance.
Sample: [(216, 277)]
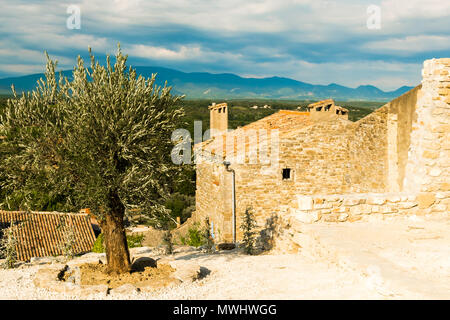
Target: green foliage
[(177, 204), (199, 236), (133, 241), (180, 205), (194, 236), (8, 247), (248, 228), (208, 240), (168, 241), (239, 114), (98, 244), (68, 246), (101, 140)]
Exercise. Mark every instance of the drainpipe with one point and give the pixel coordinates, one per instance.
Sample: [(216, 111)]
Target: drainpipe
[(233, 198)]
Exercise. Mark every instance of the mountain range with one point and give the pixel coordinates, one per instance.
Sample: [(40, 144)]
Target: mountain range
[(196, 85)]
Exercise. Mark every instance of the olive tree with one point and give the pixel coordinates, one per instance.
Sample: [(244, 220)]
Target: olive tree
[(101, 139)]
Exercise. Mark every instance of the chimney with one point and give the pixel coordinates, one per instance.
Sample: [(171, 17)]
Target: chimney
[(218, 118)]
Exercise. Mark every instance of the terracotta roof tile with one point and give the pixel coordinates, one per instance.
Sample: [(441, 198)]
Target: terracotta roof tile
[(285, 121), (39, 234)]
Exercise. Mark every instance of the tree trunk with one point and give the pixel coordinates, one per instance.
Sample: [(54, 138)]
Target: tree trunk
[(116, 247)]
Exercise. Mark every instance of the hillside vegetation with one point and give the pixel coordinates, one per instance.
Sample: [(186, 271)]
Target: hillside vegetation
[(241, 113), (182, 201)]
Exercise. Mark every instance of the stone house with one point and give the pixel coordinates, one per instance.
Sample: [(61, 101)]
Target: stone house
[(319, 166), (325, 109)]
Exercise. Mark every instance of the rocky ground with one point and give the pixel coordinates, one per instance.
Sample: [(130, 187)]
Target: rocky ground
[(405, 258)]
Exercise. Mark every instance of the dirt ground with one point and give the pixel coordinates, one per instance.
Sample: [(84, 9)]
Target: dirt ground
[(155, 277), (399, 258)]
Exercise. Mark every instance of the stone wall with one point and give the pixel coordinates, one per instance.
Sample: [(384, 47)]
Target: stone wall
[(213, 198), (428, 165), (401, 116), (367, 147), (394, 161), (353, 207), (319, 159)]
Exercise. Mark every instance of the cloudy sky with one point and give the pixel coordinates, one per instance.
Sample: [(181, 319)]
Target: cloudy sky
[(315, 41)]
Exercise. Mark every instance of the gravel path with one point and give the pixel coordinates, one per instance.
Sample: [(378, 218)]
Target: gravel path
[(404, 259), (233, 276)]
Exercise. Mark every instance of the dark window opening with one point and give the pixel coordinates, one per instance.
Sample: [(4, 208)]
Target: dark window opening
[(319, 109), (337, 111), (327, 108), (286, 174)]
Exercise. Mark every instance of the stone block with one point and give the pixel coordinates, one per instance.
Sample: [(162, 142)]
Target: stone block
[(361, 209), (186, 271), (425, 200), (435, 172), (305, 202), (378, 200), (351, 201), (87, 290), (332, 218), (387, 209), (439, 208), (343, 217), (407, 205), (125, 289), (46, 276), (394, 199), (442, 195), (318, 201), (308, 217), (354, 218)]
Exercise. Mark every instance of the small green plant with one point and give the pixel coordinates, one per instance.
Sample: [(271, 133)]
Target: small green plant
[(194, 237), (8, 247), (98, 244), (207, 238), (168, 241), (248, 228), (68, 245), (133, 241)]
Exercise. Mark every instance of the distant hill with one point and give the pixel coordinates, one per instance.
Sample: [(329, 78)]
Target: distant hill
[(197, 85)]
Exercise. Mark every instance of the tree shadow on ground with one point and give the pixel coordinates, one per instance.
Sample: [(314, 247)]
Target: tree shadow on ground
[(266, 238)]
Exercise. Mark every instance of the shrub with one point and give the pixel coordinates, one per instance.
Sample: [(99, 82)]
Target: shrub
[(198, 236), (98, 244), (208, 240), (8, 248), (248, 228), (194, 238), (167, 240), (133, 241), (68, 245)]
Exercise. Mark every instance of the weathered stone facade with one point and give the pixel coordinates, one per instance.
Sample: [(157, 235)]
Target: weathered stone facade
[(394, 161)]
